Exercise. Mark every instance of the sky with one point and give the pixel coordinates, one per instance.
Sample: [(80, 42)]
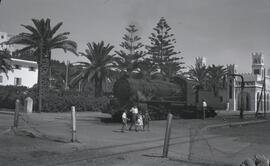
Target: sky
[(223, 31)]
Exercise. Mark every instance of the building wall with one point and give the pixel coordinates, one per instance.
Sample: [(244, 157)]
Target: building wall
[(254, 90), (217, 102), (28, 78), (249, 94)]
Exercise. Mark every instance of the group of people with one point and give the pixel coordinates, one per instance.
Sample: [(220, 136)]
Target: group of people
[(139, 119)]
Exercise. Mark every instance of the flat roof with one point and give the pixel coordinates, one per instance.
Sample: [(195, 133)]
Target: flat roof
[(21, 60)]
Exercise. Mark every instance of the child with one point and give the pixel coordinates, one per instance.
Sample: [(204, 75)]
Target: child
[(124, 121), (139, 123), (146, 119)]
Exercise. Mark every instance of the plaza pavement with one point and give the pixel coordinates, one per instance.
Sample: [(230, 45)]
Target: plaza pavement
[(98, 139)]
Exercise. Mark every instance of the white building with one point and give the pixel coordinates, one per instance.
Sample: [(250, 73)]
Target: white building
[(25, 73), (229, 96), (253, 94)]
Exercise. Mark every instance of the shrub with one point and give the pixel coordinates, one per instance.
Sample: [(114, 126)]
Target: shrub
[(9, 94), (56, 101), (61, 101)]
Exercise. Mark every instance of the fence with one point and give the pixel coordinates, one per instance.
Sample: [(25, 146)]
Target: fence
[(45, 126), (203, 146)]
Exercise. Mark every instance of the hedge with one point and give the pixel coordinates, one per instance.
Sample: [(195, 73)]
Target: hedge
[(56, 100), (61, 101), (9, 94)]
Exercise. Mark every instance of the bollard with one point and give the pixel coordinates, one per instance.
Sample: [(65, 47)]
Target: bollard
[(73, 119), (167, 135), (16, 113), (204, 108)]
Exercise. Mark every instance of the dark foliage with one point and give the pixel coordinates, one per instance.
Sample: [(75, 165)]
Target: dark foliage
[(130, 53), (57, 101), (9, 94), (24, 55), (5, 62), (99, 69), (61, 101), (162, 51)]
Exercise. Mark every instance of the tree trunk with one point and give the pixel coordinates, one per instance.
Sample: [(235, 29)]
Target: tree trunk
[(98, 87), (197, 97), (43, 82)]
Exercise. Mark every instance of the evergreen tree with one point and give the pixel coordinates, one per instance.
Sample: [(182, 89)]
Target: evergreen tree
[(131, 54), (162, 51), (147, 69)]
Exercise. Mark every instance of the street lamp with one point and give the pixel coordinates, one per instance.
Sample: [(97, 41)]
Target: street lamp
[(241, 92)]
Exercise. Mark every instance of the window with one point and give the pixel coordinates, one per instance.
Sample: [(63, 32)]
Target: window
[(230, 91), (17, 67), (1, 79), (32, 69), (17, 81), (257, 71), (2, 36), (221, 99)]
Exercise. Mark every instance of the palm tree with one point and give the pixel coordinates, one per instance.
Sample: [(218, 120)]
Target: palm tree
[(5, 62), (198, 74), (42, 38), (216, 75), (100, 67)]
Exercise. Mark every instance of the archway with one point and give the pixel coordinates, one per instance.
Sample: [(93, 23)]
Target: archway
[(258, 103), (246, 101)]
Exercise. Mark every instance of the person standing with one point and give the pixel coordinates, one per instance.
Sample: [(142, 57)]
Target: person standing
[(139, 123), (146, 119), (134, 111), (204, 108), (124, 121)]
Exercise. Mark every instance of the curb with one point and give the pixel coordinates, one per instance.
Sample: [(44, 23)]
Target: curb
[(6, 112), (234, 124)]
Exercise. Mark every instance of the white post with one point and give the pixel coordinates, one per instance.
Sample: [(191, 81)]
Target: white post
[(167, 135), (73, 119), (16, 114)]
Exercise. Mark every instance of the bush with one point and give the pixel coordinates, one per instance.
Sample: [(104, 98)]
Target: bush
[(61, 101), (56, 101), (9, 94)]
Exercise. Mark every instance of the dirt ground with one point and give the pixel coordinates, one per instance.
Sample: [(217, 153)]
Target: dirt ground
[(252, 133), (103, 144)]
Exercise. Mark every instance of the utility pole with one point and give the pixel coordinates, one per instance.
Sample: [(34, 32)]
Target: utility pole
[(50, 76), (264, 90), (242, 94), (66, 81)]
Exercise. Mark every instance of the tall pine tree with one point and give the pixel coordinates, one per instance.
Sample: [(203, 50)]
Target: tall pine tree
[(162, 50), (130, 53)]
